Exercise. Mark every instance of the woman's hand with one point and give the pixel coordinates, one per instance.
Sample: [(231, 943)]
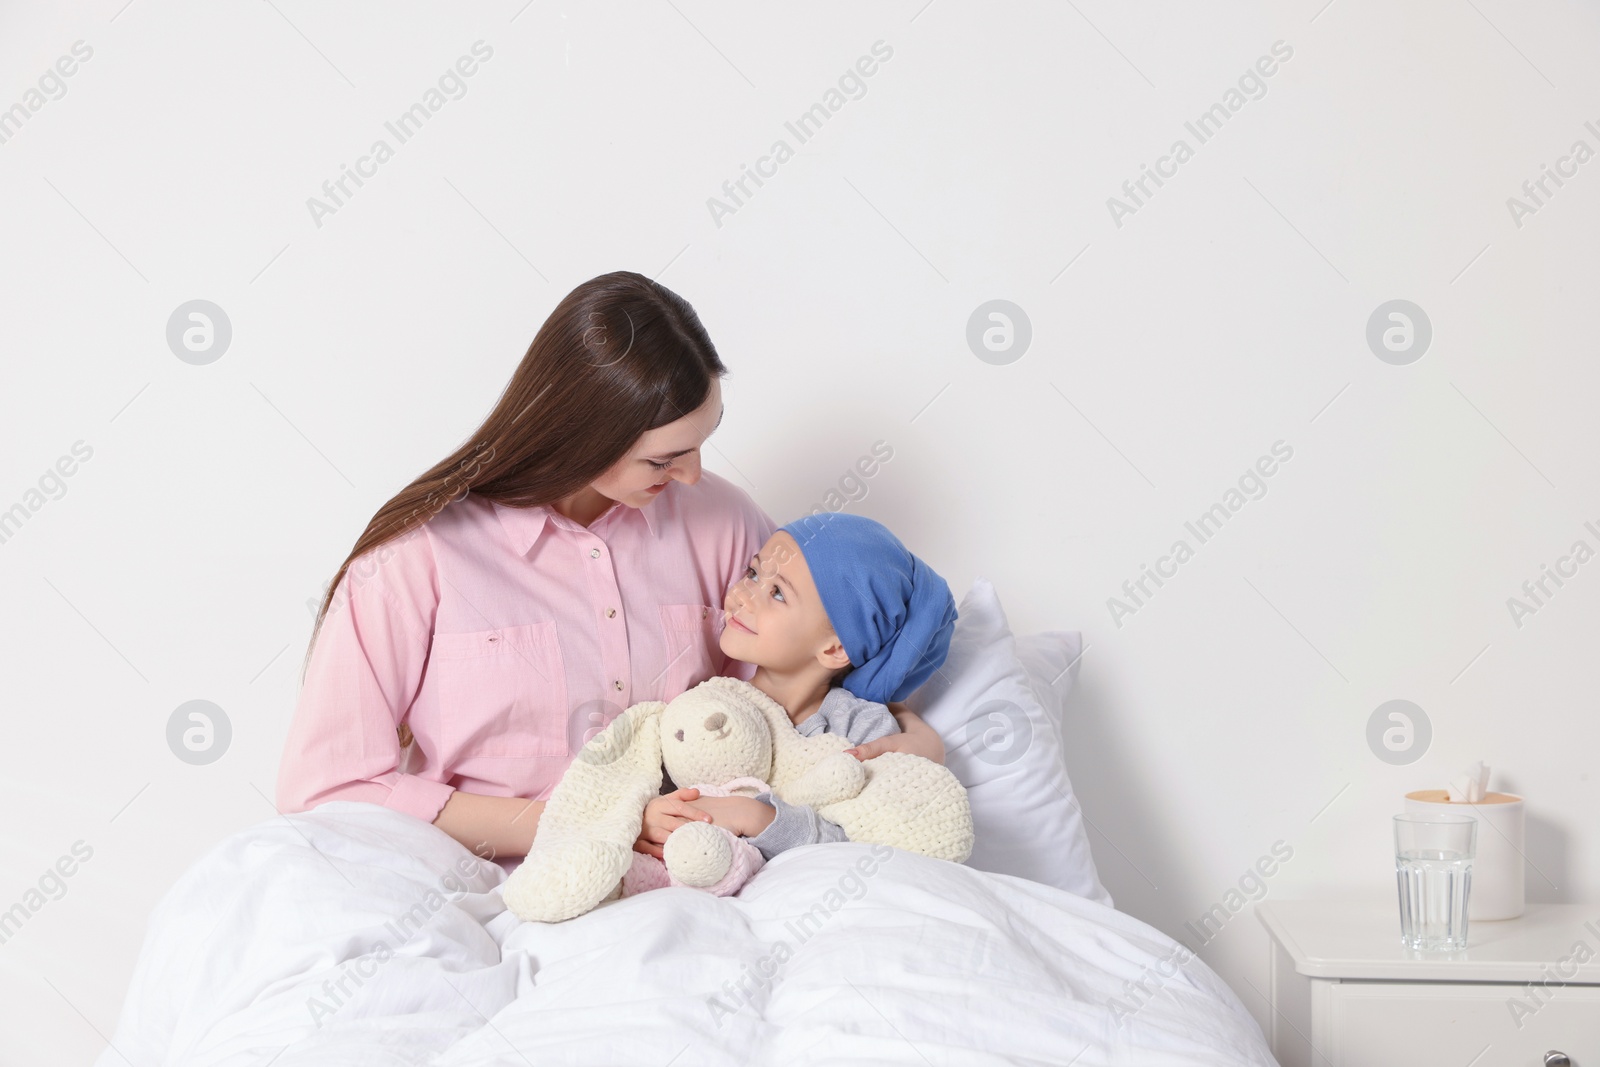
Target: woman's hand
[(745, 816), (887, 743), (665, 814)]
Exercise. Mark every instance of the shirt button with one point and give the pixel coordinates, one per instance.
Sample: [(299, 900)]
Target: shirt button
[(618, 684), (611, 613), (594, 553)]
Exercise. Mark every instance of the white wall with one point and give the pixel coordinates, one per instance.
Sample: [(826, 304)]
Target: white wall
[(1168, 353)]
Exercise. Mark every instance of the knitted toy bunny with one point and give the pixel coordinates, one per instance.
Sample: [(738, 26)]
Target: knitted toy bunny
[(722, 730)]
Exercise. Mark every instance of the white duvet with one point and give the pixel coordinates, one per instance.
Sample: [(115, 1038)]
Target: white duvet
[(353, 935)]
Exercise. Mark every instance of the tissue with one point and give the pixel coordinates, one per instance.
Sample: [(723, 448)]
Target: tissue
[(1470, 787)]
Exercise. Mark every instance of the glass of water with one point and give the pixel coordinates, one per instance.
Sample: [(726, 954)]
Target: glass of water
[(1433, 867)]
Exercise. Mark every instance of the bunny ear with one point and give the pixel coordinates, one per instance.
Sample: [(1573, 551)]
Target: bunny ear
[(584, 842), (631, 740), (598, 794), (787, 758)]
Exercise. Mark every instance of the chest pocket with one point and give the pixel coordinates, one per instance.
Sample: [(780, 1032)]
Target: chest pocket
[(692, 632), (503, 693)]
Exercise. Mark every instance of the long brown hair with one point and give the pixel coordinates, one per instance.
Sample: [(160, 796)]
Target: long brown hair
[(621, 354)]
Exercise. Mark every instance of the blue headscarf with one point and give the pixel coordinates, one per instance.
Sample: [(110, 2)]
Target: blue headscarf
[(892, 612)]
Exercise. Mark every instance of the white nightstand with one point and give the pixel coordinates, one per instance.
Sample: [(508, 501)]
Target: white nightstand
[(1345, 993)]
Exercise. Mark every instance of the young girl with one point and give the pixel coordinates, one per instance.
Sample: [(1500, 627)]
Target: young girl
[(840, 619)]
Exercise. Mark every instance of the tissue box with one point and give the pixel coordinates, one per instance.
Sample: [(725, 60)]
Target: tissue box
[(1497, 886)]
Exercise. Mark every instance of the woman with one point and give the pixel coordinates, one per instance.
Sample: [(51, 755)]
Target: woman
[(567, 561)]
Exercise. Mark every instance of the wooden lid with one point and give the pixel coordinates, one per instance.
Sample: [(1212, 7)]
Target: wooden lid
[(1442, 796)]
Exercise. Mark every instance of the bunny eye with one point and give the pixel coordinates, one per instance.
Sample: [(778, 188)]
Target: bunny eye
[(679, 735)]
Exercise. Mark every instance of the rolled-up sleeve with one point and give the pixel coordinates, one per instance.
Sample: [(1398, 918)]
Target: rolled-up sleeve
[(364, 672)]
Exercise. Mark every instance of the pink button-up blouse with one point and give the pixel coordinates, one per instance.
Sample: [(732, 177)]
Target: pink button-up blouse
[(507, 637)]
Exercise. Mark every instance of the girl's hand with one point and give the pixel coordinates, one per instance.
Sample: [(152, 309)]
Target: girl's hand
[(665, 814), (745, 816)]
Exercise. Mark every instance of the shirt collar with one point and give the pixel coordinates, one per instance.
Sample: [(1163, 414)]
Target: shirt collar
[(524, 525)]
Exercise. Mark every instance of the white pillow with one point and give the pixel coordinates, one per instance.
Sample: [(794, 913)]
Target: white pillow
[(1002, 735), (1051, 660)]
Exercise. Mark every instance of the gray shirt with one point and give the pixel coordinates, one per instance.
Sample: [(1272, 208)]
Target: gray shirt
[(842, 712)]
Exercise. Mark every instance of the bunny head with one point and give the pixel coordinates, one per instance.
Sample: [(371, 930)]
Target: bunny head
[(715, 734), (726, 728)]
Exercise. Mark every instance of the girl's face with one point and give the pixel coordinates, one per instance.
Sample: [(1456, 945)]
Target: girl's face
[(663, 454), (775, 618)]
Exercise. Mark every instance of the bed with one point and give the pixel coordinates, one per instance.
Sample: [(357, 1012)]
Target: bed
[(353, 935)]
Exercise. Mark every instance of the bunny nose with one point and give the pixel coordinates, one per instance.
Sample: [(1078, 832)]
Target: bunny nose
[(715, 722)]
